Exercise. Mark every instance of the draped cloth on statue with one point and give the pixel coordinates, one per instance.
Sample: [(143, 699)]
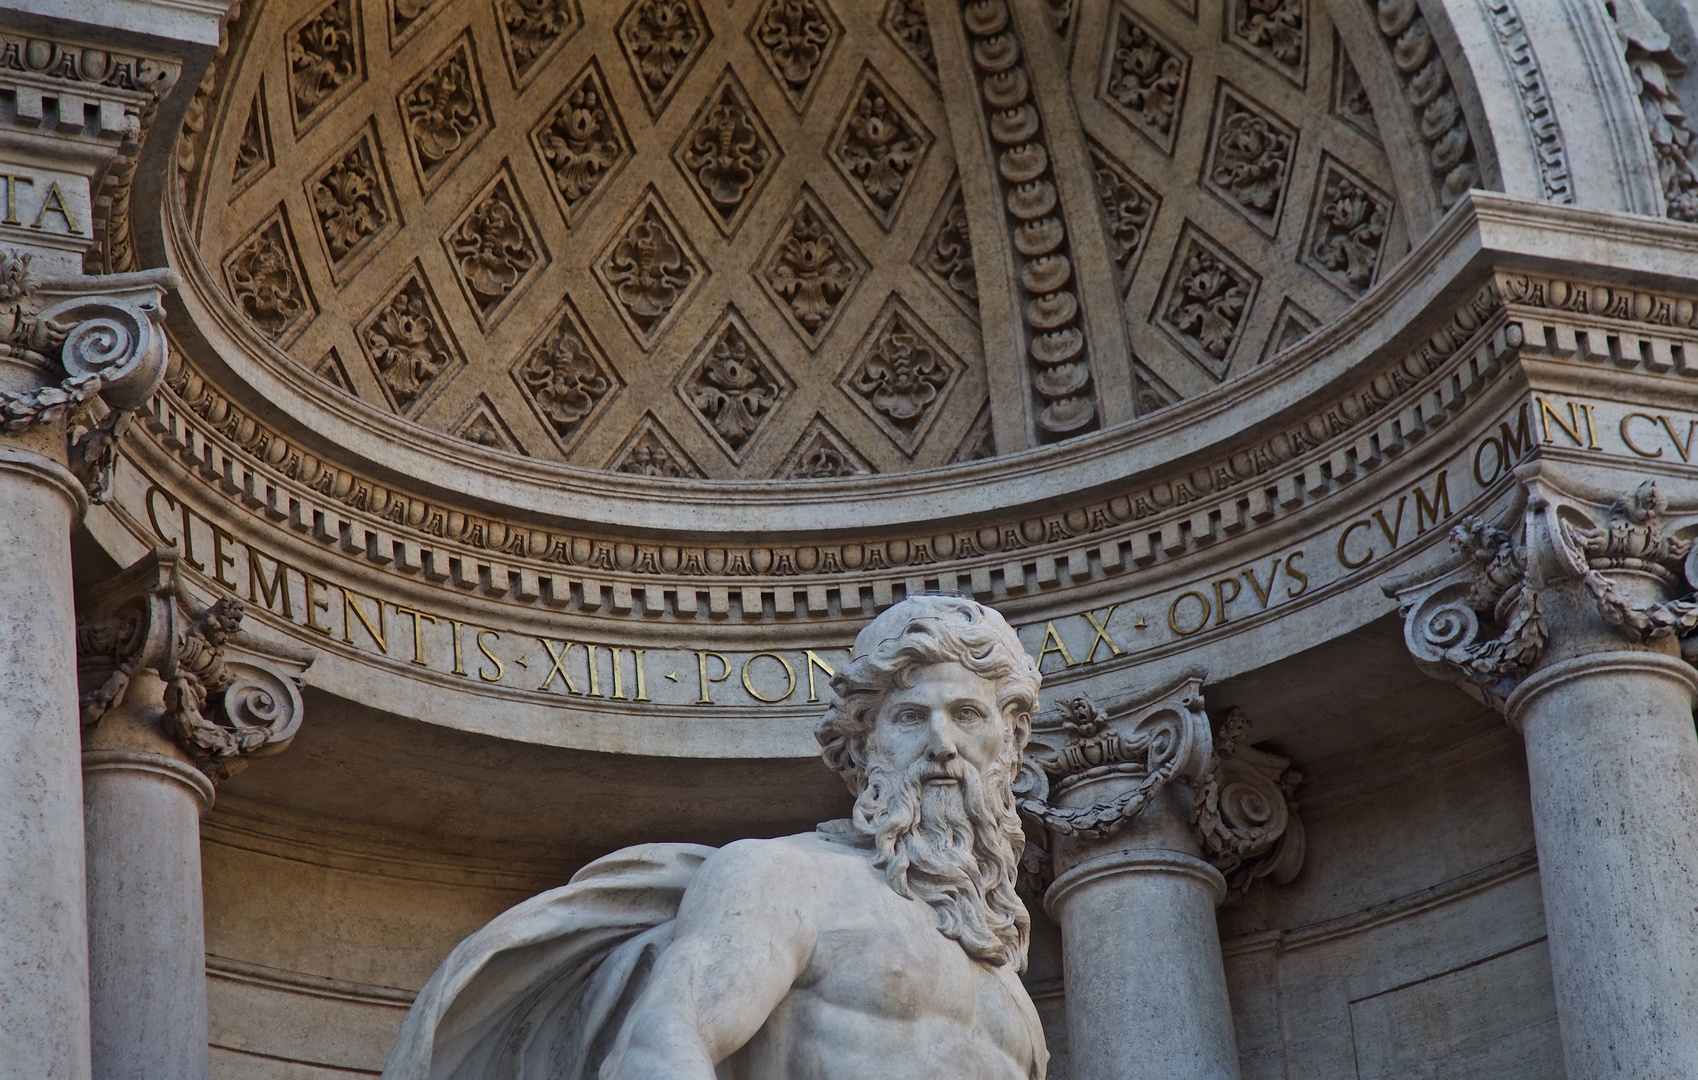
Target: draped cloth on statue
[(542, 990)]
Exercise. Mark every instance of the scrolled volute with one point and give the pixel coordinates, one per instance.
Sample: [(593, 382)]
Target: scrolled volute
[(1244, 816), (228, 696)]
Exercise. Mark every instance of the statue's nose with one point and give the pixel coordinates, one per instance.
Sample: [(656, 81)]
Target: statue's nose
[(941, 746)]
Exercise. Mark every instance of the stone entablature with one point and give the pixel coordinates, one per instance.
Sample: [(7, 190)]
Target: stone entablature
[(1220, 573)]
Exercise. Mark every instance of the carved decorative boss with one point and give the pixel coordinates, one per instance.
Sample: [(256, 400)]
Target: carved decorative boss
[(1242, 814), (1481, 621), (727, 153), (228, 697), (811, 268), (649, 269), (795, 38), (582, 141), (662, 39)]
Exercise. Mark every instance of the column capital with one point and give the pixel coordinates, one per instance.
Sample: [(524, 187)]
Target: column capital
[(1566, 573), (228, 696), (1093, 770)]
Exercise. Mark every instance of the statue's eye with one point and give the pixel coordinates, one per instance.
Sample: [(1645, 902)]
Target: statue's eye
[(910, 716), (966, 714)]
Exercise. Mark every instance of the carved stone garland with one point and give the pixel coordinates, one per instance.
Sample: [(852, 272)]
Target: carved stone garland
[(1503, 572), (1055, 346), (1242, 815), (224, 700)]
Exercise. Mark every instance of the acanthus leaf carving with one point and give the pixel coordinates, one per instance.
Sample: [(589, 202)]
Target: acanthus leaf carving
[(652, 451), (444, 112), (565, 378), (649, 270), (1128, 209), (531, 28), (727, 153), (822, 453), (662, 39), (811, 268), (945, 253), (582, 141), (493, 247), (253, 150), (1274, 31), (905, 21), (324, 58), (349, 200), (795, 38), (1144, 78), (1348, 228), (879, 145), (1350, 101), (1251, 160), (734, 385), (1208, 297), (407, 342), (900, 376), (264, 276)]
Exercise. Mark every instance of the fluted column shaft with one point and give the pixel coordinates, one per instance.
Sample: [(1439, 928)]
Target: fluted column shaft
[(1145, 980), (44, 1019), (142, 802)]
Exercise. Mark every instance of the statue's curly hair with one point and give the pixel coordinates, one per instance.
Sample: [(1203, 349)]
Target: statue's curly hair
[(919, 631)]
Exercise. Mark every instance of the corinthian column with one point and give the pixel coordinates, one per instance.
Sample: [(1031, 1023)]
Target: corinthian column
[(1570, 620), (1153, 827), (179, 696)]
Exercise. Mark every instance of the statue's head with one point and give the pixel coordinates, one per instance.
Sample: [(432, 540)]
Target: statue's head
[(926, 725)]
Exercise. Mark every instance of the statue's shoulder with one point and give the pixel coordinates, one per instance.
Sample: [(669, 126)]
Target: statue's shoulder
[(784, 860)]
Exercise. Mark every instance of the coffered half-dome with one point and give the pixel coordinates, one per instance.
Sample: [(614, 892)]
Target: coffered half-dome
[(797, 239)]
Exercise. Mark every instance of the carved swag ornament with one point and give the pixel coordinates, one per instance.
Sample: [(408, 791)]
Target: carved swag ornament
[(1242, 813), (1482, 623)]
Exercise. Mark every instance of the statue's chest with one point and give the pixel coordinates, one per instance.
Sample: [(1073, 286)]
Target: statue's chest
[(895, 971)]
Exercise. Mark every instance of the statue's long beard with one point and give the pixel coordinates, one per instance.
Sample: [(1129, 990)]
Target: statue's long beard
[(955, 846)]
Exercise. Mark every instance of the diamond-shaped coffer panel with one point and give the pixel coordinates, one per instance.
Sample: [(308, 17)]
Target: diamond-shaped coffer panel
[(662, 39), (795, 38), (649, 269), (581, 141), (810, 268), (733, 384), (727, 153), (879, 145), (565, 378), (900, 375)]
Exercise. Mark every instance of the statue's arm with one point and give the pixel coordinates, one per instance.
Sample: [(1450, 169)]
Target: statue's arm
[(745, 932)]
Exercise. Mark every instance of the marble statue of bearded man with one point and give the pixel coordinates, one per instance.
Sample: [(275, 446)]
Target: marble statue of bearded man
[(886, 945)]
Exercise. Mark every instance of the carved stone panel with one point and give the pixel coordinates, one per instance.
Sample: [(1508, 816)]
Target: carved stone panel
[(253, 150), (324, 60), (482, 424), (1143, 77), (444, 112), (531, 30), (263, 274), (810, 268), (822, 453), (1250, 154), (733, 385), (879, 145), (796, 38), (1129, 207), (727, 153), (1208, 295), (352, 202), (1291, 325), (901, 375), (649, 269), (905, 21), (407, 341), (493, 248), (581, 141), (945, 253), (1349, 97), (1347, 228), (565, 377), (1273, 31), (662, 39), (652, 451)]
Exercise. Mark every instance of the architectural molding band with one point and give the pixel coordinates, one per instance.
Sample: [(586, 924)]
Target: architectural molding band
[(1139, 861), (1523, 701), (148, 763)]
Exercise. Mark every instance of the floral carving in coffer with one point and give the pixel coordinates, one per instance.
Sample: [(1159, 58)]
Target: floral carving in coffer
[(905, 22), (945, 253), (811, 268), (530, 29), (1128, 208), (351, 202), (795, 38), (661, 40), (407, 340), (650, 450), (900, 375), (253, 149), (1273, 31), (727, 153), (1144, 77), (493, 247), (581, 141), (1349, 97), (565, 378), (822, 454), (879, 145), (324, 60), (482, 425), (1347, 229), (649, 269), (444, 112), (733, 384), (1206, 300), (1249, 160), (264, 277)]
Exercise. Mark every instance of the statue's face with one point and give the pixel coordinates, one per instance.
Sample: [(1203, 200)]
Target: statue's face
[(948, 718)]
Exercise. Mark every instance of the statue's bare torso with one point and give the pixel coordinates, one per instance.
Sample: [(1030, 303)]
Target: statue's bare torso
[(837, 977)]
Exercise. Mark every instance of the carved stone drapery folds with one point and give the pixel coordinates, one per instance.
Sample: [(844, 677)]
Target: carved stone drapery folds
[(228, 696), (1481, 622), (1242, 814), (103, 334)]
